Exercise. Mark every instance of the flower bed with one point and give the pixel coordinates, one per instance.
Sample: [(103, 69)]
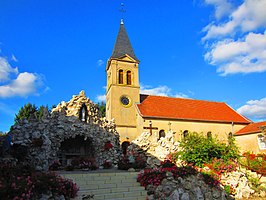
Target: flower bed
[(155, 176), (24, 184)]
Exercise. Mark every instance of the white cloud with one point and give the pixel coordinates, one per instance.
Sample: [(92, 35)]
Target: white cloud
[(101, 98), (13, 83), (100, 62), (24, 85), (160, 91), (238, 45), (222, 7), (249, 16), (242, 56), (6, 70), (254, 109)]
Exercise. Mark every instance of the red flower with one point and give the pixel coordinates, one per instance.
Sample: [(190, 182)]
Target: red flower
[(108, 145)]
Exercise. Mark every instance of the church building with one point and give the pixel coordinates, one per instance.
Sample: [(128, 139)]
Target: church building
[(135, 113)]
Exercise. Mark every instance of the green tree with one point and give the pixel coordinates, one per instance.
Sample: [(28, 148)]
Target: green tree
[(30, 109), (198, 149), (102, 109)]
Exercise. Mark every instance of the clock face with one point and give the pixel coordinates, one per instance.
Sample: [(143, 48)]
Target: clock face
[(125, 100)]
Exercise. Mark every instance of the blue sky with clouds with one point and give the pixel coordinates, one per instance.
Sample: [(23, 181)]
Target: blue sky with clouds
[(202, 49)]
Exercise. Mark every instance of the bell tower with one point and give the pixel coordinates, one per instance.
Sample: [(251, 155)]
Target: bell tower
[(123, 90)]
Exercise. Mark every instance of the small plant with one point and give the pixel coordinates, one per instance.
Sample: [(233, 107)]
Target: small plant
[(229, 189), (84, 163), (56, 165), (255, 183), (108, 145), (107, 164), (132, 160), (211, 178), (254, 162), (167, 163), (221, 166)]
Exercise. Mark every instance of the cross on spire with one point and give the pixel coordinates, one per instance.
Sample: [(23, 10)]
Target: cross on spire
[(122, 11)]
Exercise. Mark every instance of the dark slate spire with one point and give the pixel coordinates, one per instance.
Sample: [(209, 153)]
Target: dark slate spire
[(122, 44)]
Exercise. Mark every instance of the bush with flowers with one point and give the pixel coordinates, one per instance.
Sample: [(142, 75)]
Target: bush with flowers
[(156, 175), (24, 185), (132, 160), (220, 166), (254, 162), (107, 164), (84, 163)]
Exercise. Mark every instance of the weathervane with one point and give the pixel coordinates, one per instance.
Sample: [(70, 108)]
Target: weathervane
[(122, 11)]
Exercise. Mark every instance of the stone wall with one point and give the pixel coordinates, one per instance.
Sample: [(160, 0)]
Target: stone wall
[(43, 137), (155, 149)]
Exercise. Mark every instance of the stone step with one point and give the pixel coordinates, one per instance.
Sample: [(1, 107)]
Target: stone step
[(107, 185)]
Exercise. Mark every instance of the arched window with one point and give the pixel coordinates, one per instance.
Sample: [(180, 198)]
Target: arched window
[(125, 146), (185, 133), (129, 78), (120, 76), (209, 135), (161, 134)]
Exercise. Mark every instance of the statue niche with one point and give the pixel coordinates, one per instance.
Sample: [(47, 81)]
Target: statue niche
[(83, 113)]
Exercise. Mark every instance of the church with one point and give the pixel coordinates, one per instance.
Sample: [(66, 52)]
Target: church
[(135, 113)]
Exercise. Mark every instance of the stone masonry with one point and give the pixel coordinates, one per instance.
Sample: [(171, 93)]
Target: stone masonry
[(78, 117)]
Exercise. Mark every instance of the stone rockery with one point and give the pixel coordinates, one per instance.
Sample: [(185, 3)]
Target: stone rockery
[(71, 129)]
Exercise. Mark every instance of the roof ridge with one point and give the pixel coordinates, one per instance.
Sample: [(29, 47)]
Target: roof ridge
[(186, 98)]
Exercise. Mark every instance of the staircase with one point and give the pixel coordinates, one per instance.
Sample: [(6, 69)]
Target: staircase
[(111, 185)]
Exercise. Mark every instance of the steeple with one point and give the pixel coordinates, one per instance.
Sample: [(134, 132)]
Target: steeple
[(122, 44)]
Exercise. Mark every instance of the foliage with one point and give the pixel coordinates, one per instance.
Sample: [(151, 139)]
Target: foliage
[(167, 163), (29, 110), (56, 165), (155, 176), (254, 162), (108, 145), (20, 182), (197, 149), (132, 160), (220, 166), (107, 164), (255, 183), (229, 189), (2, 134), (84, 163), (102, 109), (211, 178)]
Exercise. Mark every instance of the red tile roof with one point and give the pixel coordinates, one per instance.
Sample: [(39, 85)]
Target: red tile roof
[(251, 128), (188, 109)]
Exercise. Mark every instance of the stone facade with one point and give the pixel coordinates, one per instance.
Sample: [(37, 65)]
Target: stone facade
[(77, 118)]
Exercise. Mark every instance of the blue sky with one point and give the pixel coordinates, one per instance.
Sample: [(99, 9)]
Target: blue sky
[(203, 49)]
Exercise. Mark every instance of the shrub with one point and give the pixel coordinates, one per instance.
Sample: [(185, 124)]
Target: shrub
[(132, 160), (84, 163), (254, 162), (23, 185), (107, 164), (197, 150), (220, 166)]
